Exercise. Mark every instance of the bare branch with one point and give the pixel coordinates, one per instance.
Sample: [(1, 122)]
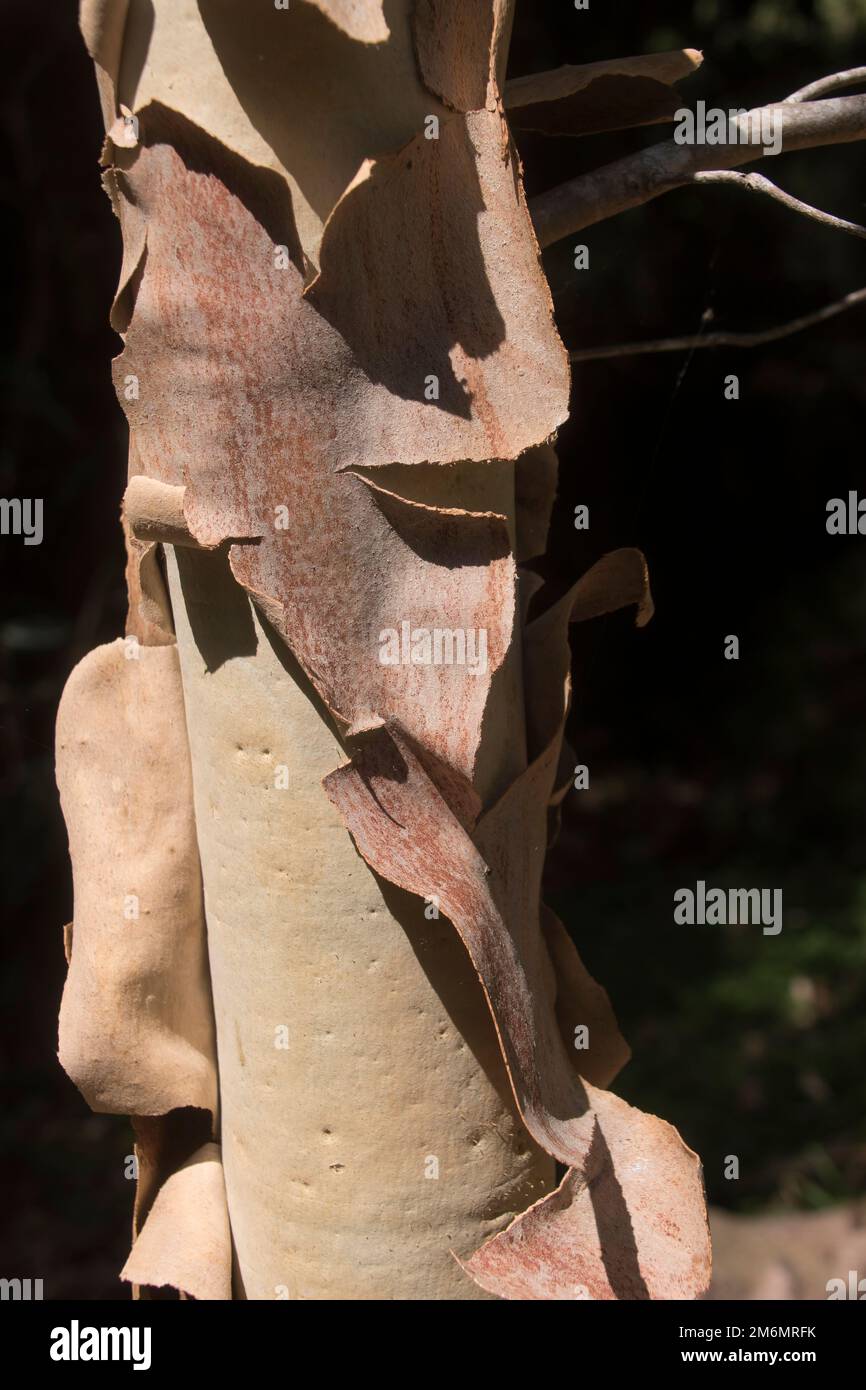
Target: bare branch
[(722, 339), (756, 183), (834, 83), (640, 177)]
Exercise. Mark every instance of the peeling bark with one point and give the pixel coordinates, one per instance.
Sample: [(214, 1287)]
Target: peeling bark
[(343, 378)]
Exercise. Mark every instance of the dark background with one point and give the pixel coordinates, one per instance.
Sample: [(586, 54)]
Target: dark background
[(746, 773)]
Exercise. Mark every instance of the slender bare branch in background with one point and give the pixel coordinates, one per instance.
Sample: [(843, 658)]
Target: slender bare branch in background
[(834, 83), (756, 183), (723, 339), (640, 177)]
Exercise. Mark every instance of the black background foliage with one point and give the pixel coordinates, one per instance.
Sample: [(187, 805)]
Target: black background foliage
[(746, 773)]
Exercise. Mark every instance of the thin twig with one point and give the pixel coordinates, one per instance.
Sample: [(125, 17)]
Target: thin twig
[(834, 83), (722, 339), (756, 183), (648, 173)]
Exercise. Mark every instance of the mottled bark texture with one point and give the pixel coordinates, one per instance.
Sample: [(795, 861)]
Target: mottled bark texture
[(343, 379)]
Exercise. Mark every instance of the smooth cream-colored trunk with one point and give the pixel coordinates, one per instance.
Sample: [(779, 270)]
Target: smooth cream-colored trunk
[(368, 1137), (366, 1122)]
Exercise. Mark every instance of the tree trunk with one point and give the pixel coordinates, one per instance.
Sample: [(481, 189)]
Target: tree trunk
[(342, 377), (334, 997)]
